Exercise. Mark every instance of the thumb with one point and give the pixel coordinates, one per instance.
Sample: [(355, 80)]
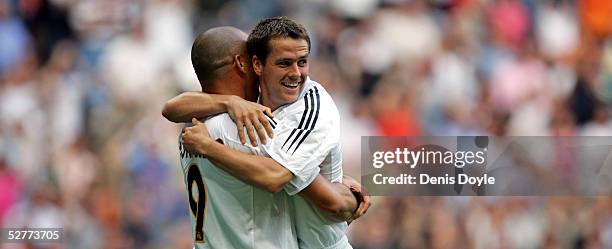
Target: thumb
[(194, 121)]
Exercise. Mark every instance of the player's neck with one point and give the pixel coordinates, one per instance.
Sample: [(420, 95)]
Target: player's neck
[(226, 88), (251, 92), (265, 100)]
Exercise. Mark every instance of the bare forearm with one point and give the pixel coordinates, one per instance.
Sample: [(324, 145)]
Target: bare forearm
[(259, 171), (349, 202), (185, 106), (334, 198)]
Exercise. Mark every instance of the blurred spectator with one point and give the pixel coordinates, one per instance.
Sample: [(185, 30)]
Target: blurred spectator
[(584, 98), (41, 210), (76, 168), (15, 40), (23, 118), (409, 30), (557, 30), (125, 55), (596, 18), (11, 188), (509, 22)]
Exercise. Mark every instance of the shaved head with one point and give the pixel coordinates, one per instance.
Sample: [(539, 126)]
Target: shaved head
[(214, 49)]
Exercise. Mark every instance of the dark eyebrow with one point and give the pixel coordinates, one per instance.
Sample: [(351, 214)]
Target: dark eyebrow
[(283, 60), (291, 59)]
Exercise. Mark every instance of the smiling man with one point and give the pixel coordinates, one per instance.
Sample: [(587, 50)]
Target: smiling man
[(280, 62)]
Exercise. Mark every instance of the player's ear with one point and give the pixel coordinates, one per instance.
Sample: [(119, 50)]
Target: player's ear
[(257, 65), (241, 63)]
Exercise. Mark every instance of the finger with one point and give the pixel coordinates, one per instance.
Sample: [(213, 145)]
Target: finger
[(240, 128), (186, 143), (260, 131), (250, 131), (357, 188), (267, 126), (194, 121), (268, 112), (187, 135), (360, 210), (367, 201)]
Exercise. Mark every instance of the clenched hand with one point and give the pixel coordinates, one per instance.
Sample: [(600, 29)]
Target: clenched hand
[(360, 193), (196, 138)]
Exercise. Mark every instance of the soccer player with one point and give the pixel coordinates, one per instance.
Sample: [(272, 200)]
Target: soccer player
[(306, 134)]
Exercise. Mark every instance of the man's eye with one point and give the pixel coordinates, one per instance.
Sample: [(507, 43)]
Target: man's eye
[(283, 63), (302, 63)]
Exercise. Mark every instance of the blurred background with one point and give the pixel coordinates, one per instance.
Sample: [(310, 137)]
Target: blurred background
[(83, 144)]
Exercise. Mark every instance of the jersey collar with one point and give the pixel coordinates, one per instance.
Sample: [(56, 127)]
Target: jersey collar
[(307, 85)]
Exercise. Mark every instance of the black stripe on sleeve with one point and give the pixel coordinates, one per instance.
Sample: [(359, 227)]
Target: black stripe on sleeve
[(318, 107), (290, 135), (314, 121), (302, 140), (312, 107), (306, 107)]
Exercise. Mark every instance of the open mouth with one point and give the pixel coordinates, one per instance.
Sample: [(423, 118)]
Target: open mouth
[(291, 85)]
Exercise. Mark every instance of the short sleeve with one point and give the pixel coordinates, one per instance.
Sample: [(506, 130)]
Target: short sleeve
[(214, 126), (221, 126), (304, 135)]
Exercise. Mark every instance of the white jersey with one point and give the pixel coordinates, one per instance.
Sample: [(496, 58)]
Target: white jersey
[(307, 142), (228, 213)]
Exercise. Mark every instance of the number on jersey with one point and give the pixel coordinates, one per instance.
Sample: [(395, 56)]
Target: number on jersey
[(197, 205)]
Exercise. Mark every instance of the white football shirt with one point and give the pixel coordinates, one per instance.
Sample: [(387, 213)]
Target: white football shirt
[(307, 142), (228, 213)]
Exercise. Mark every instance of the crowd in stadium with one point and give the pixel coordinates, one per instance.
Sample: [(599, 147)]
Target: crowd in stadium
[(83, 144)]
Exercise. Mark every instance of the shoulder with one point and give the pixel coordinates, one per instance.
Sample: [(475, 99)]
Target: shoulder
[(328, 106), (220, 125), (221, 118), (320, 93)]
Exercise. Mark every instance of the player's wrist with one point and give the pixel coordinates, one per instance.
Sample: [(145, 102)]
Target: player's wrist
[(227, 102), (205, 146), (231, 102)]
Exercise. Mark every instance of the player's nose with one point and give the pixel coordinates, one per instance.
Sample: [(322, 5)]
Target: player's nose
[(294, 72)]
